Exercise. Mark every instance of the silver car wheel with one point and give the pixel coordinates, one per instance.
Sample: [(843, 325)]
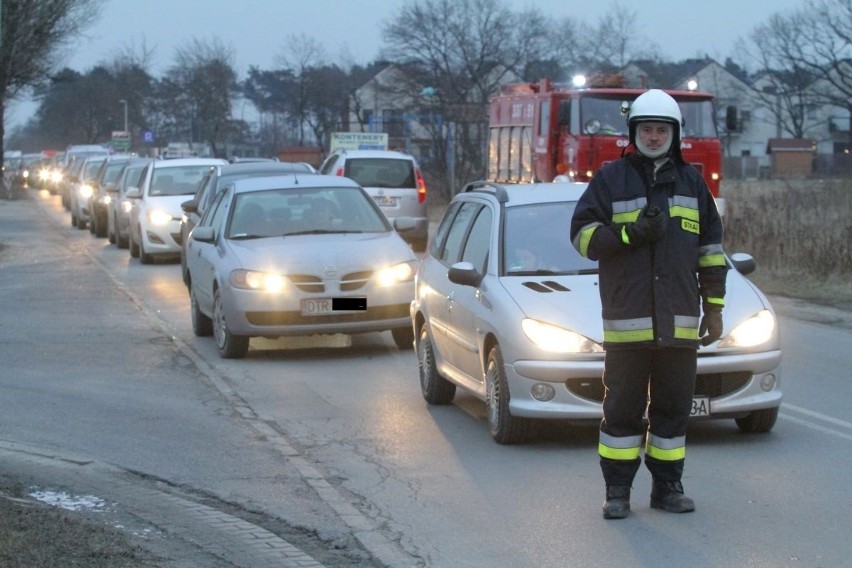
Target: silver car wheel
[(435, 388), (230, 346), (504, 428)]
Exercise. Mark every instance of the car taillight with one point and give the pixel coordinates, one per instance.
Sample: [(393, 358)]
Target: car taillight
[(339, 172), (421, 187)]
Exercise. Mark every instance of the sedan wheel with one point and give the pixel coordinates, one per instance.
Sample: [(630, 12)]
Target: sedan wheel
[(134, 248), (504, 428), (435, 388), (403, 337), (759, 421), (144, 257), (202, 325), (229, 346)]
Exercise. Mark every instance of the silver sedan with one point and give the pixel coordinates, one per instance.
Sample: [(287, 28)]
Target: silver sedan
[(508, 310), (298, 255)]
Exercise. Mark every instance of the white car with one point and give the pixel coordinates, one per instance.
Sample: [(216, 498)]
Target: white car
[(154, 219), (507, 309), (297, 254), (393, 179)]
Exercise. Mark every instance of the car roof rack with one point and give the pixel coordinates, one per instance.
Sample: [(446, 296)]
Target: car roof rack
[(485, 185)]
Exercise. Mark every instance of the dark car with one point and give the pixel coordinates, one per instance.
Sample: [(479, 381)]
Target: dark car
[(118, 213), (218, 177), (102, 194)]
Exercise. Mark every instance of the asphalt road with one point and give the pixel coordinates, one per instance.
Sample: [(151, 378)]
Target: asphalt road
[(332, 438)]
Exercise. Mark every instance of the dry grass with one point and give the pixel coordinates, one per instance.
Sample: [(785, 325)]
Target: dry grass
[(34, 534), (800, 233)]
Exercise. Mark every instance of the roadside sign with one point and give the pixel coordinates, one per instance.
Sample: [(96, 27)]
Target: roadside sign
[(359, 141), (148, 137), (121, 140)]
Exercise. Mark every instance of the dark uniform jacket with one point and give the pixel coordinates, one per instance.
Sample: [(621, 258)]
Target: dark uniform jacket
[(651, 293)]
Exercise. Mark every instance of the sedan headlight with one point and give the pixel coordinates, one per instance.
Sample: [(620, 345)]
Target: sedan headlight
[(402, 272), (756, 330), (257, 280), (126, 206), (158, 217), (557, 339), (86, 191)]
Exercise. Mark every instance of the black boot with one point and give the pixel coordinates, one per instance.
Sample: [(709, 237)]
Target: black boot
[(668, 496), (617, 504)]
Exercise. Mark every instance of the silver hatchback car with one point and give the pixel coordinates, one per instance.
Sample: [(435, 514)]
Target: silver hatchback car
[(297, 254), (394, 181), (506, 308)]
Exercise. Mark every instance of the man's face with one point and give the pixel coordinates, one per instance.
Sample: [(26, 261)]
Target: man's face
[(653, 134)]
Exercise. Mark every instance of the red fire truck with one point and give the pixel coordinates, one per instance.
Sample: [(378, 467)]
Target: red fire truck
[(541, 130)]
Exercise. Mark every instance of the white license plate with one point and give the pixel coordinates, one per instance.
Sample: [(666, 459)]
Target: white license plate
[(700, 406), (386, 201), (328, 306)]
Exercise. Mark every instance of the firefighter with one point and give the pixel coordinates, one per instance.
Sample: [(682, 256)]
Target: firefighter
[(651, 222)]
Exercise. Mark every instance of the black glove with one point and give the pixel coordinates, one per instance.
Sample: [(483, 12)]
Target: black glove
[(711, 324), (649, 227)]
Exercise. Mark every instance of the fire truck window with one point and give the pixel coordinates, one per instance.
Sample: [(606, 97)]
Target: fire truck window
[(544, 122), (575, 118), (607, 112), (564, 117)]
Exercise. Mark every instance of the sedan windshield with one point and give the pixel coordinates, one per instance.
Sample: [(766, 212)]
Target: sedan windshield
[(537, 240), (287, 212), (177, 180)]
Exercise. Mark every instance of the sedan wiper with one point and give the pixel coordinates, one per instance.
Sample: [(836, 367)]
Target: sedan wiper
[(319, 232), (249, 236)]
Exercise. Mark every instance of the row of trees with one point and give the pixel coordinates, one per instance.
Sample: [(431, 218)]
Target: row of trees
[(463, 50)]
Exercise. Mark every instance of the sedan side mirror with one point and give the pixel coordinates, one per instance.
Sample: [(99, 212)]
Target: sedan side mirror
[(465, 274), (402, 224), (744, 263), (203, 234), (133, 193), (190, 206)]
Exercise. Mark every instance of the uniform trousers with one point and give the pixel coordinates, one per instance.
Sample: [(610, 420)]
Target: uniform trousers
[(661, 380)]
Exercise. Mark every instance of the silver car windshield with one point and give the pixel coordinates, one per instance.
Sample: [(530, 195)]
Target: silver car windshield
[(537, 240), (288, 212), (177, 180)]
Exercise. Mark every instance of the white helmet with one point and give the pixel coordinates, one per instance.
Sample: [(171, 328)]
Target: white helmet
[(659, 106)]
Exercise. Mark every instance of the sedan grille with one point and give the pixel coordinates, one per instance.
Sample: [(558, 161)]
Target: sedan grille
[(354, 280), (712, 385), (307, 283), (296, 318)]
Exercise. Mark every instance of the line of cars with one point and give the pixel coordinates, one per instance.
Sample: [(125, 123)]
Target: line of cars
[(500, 304)]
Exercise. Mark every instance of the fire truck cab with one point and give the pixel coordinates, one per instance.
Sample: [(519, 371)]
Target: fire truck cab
[(542, 130)]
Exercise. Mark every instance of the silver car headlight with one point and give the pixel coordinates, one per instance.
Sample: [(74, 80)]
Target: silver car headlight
[(158, 217), (402, 272), (756, 330), (557, 339), (257, 280), (86, 191)]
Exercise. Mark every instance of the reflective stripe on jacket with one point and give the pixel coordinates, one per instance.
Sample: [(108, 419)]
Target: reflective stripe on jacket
[(650, 293)]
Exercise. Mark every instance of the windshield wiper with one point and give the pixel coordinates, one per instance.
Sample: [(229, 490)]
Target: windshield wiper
[(246, 237)]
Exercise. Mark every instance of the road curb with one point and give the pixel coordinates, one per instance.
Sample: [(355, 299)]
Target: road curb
[(163, 520)]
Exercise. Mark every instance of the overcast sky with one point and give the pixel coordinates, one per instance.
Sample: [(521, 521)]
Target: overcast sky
[(256, 29)]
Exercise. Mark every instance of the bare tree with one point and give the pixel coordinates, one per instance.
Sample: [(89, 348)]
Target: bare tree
[(805, 61), (301, 54), (31, 33), (202, 86), (453, 55)]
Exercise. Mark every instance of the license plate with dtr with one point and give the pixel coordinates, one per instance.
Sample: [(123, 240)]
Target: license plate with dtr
[(328, 306)]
